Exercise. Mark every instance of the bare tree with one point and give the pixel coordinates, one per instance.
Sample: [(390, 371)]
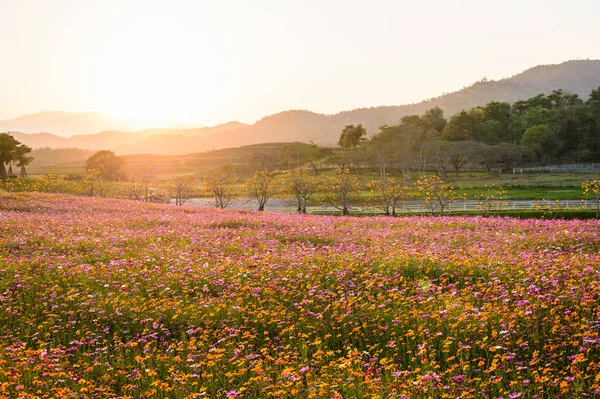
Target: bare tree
[(339, 189), (221, 189), (135, 188), (302, 187), (261, 187), (181, 188)]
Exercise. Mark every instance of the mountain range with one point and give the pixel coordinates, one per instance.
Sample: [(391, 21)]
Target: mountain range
[(579, 77)]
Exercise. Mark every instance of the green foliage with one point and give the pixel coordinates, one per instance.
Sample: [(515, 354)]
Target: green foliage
[(11, 150), (261, 187), (539, 140), (594, 96), (107, 163), (352, 136), (434, 118)]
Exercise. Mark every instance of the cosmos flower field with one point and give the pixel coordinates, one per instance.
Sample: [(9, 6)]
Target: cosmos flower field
[(104, 298)]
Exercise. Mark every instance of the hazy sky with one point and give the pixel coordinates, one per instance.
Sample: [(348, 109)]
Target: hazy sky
[(208, 62)]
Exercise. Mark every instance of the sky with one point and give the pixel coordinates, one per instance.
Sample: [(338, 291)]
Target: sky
[(196, 62)]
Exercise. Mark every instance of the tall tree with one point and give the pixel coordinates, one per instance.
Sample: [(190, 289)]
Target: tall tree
[(23, 159), (8, 152), (352, 136)]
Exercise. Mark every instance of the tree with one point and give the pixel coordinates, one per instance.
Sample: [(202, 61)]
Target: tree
[(261, 187), (540, 141), (435, 193), (594, 96), (221, 189), (459, 154), (466, 125), (487, 156), (23, 159), (180, 187), (136, 189), (96, 184), (8, 152), (339, 189), (381, 146), (591, 188), (492, 197), (107, 163), (302, 187), (352, 136), (388, 194), (434, 118)]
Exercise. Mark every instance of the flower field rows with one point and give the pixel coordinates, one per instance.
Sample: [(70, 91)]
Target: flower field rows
[(105, 298)]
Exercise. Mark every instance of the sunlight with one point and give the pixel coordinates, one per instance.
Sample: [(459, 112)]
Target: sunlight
[(159, 84)]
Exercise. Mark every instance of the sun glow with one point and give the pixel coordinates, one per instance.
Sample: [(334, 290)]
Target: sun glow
[(153, 69), (158, 85)]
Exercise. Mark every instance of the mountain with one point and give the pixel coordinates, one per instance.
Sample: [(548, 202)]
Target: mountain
[(63, 123), (579, 77), (152, 141)]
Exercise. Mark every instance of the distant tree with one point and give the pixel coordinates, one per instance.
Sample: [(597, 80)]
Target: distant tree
[(228, 170), (594, 96), (107, 163), (261, 187), (23, 159), (460, 154), (342, 158), (180, 188), (591, 188), (562, 99), (298, 154), (540, 141), (491, 198), (302, 187), (466, 125), (8, 152), (220, 187), (339, 189), (135, 188), (435, 193), (263, 161), (487, 156), (509, 155), (388, 194), (352, 136), (434, 118), (97, 186), (382, 147)]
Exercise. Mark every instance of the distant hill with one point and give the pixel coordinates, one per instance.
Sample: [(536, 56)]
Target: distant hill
[(151, 141), (579, 77), (63, 123)]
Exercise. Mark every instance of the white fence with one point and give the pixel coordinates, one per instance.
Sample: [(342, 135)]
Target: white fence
[(417, 207), (409, 207), (573, 168)]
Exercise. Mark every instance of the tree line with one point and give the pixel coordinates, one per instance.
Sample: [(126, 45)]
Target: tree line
[(341, 190)]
